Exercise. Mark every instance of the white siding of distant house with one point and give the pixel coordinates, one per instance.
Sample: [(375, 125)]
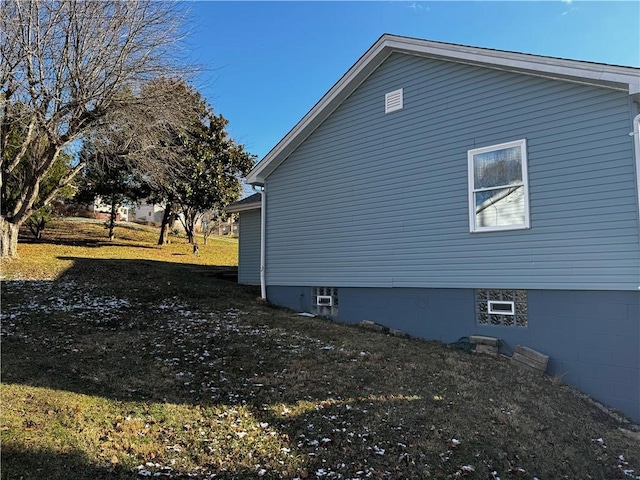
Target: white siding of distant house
[(149, 213)]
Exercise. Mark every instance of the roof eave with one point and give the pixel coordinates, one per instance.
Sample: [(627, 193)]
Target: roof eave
[(612, 76), (320, 111), (242, 208), (598, 73)]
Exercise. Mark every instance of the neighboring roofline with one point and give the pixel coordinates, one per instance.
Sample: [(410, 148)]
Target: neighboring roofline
[(599, 74), (253, 202), (242, 208)]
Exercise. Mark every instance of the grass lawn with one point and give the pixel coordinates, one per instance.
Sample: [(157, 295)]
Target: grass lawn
[(127, 360)]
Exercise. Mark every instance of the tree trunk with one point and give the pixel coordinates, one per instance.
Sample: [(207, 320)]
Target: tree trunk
[(164, 228), (190, 235), (37, 226), (190, 229), (188, 220), (112, 220), (8, 239)]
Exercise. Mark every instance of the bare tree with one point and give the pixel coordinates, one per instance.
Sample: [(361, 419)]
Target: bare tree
[(68, 69), (213, 221)]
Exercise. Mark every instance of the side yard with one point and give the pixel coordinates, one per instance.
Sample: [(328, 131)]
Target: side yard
[(133, 361)]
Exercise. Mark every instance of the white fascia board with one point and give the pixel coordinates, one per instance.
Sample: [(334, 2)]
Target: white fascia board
[(612, 76), (600, 74)]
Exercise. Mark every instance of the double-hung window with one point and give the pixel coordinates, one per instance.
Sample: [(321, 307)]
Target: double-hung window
[(498, 191)]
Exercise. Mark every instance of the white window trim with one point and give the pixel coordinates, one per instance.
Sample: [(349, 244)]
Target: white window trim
[(473, 228), (324, 300), (491, 311)]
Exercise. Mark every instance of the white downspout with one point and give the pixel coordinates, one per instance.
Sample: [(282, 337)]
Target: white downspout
[(636, 143), (263, 241)]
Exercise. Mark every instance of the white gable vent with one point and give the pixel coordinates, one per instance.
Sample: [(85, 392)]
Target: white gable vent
[(393, 101)]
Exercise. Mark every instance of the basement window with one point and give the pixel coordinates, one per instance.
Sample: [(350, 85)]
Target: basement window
[(393, 101), (324, 301), (506, 308), (498, 307)]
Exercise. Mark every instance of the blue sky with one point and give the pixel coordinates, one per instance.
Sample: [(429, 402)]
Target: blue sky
[(265, 64)]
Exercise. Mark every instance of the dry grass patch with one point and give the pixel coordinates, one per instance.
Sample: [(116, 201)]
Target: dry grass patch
[(134, 366), (65, 240)]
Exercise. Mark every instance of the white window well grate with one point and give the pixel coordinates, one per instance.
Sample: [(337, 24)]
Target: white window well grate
[(393, 101), (325, 301)]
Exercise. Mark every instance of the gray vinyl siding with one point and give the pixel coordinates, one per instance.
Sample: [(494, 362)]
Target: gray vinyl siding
[(375, 200), (249, 247)]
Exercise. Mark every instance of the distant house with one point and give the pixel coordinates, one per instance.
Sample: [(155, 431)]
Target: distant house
[(220, 227), (447, 190), (153, 213), (148, 212), (102, 210)]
